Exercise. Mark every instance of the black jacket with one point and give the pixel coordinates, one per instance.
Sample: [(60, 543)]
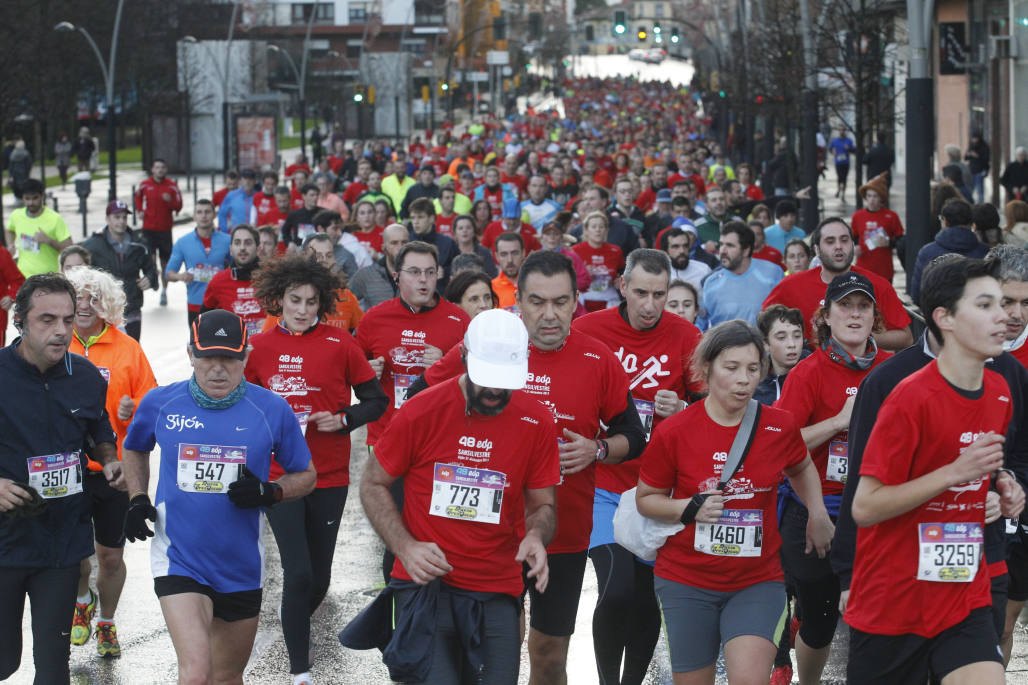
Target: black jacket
[(875, 387), (416, 192), (957, 239), (135, 263), (56, 412)]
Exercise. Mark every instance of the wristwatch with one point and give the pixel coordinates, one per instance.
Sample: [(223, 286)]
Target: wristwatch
[(693, 508), (601, 450)]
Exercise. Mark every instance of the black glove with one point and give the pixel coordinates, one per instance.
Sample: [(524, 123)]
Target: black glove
[(139, 511), (250, 492), (34, 507)]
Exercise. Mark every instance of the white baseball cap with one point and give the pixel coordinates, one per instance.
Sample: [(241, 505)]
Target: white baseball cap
[(497, 347)]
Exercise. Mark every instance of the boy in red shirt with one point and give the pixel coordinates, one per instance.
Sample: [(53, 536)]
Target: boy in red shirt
[(877, 228), (921, 607), (603, 260)]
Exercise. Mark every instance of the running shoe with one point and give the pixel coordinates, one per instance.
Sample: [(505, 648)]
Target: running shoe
[(781, 676), (107, 640), (80, 623)]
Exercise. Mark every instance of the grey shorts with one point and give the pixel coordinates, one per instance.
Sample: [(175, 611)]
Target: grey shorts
[(697, 622)]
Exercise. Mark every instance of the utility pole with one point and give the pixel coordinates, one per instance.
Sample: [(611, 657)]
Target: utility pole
[(920, 117), (808, 131)]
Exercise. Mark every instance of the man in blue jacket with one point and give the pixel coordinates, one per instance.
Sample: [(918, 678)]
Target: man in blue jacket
[(54, 408), (956, 236), (238, 205)]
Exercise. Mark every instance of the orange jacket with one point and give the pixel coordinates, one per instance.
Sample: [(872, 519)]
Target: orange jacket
[(504, 289), (122, 362)]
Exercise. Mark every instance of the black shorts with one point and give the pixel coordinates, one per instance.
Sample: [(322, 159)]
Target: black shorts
[(799, 566), (555, 611), (108, 507), (159, 243), (904, 659), (1017, 567), (228, 606)]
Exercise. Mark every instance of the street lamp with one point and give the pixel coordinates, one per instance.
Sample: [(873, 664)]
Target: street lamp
[(301, 79), (107, 69)]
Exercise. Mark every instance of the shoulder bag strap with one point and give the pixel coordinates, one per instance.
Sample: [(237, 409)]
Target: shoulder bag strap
[(742, 442)]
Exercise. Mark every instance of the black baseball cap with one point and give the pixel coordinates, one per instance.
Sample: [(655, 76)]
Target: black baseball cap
[(218, 333), (850, 282)]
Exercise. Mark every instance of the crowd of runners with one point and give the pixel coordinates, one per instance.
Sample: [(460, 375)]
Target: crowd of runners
[(542, 324)]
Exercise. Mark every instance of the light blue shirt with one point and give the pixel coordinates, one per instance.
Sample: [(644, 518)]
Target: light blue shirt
[(777, 238), (727, 295), (201, 261)]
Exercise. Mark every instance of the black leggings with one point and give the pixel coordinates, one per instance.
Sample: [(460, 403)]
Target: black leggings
[(626, 620), (817, 586), (388, 558), (305, 530), (51, 592)]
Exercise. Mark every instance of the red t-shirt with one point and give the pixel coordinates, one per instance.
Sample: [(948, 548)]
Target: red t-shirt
[(219, 196), (372, 240), (517, 181), (264, 204), (816, 389), (606, 262), (273, 217), (770, 254), (295, 199), (353, 191), (923, 425), (393, 331), (754, 192), (495, 200), (582, 384), (656, 359), (433, 429), (868, 226), (228, 293), (806, 291), (686, 454), (444, 224), (1021, 354), (527, 231), (313, 372)]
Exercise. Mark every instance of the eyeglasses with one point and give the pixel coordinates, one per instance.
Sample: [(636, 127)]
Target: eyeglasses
[(415, 272)]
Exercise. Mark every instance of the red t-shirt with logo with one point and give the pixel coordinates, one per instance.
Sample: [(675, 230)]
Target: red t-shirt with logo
[(372, 240), (806, 291), (313, 372), (816, 389), (444, 224), (272, 217), (686, 454), (392, 331), (433, 429), (354, 191), (770, 254), (870, 225), (606, 261), (264, 204), (924, 424), (236, 296), (582, 384), (656, 359)]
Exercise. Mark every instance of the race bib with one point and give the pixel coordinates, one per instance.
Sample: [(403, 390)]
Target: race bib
[(838, 461), (949, 552), (737, 533), (467, 494), (301, 418), (645, 409), (28, 244), (105, 372), (600, 282), (56, 475), (401, 383), (872, 236), (204, 272), (254, 327), (209, 468)]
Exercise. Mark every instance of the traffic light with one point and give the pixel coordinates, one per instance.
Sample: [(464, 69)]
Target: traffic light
[(358, 93), (425, 94), (371, 95), (641, 33), (674, 34), (619, 22), (656, 29), (760, 99), (721, 93), (443, 87), (499, 29)]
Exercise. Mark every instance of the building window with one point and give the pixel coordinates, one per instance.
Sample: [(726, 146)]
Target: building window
[(358, 12), (324, 13), (658, 9), (414, 47)]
